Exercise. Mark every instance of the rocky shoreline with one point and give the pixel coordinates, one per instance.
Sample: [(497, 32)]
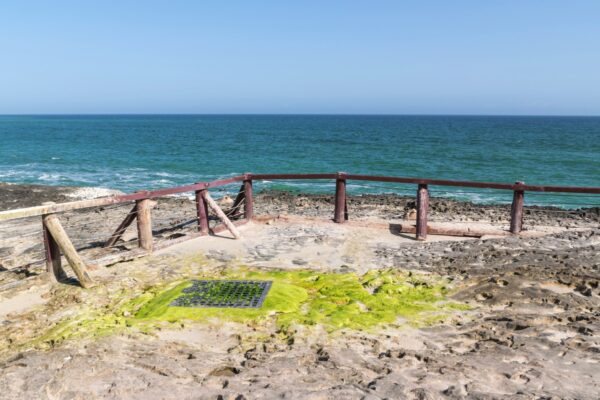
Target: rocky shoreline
[(533, 330), (14, 196), (174, 217)]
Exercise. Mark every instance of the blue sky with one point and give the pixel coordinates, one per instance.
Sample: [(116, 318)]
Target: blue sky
[(390, 57)]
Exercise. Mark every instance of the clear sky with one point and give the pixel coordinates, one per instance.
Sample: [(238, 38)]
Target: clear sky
[(254, 56)]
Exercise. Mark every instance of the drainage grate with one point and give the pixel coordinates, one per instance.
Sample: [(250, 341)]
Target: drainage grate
[(230, 294)]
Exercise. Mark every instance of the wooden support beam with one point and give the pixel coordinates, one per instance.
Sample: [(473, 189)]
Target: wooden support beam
[(202, 211), (516, 210), (249, 203), (52, 251), (61, 238), (234, 211), (340, 214), (129, 218), (239, 198), (422, 206), (217, 210), (144, 223), (447, 231)]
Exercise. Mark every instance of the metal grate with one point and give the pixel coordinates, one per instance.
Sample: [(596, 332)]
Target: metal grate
[(225, 294)]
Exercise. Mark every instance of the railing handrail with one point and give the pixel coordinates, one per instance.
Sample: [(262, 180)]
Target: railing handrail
[(57, 242), (114, 199), (438, 182), (117, 199)]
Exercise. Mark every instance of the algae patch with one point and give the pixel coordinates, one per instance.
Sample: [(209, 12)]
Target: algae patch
[(300, 297), (332, 300)]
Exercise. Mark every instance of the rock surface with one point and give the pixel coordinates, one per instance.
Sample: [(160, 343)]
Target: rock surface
[(533, 331)]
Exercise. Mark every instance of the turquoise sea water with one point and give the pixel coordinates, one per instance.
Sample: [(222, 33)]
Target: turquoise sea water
[(144, 152)]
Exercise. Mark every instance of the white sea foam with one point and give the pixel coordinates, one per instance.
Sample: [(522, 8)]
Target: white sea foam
[(49, 177), (92, 193), (186, 195)]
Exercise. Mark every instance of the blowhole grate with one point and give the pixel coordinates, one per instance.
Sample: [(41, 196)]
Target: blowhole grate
[(224, 294)]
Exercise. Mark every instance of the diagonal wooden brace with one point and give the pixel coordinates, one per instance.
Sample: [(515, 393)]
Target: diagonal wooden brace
[(217, 210), (237, 203), (114, 238)]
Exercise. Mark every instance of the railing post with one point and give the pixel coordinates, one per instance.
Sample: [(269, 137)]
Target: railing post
[(52, 252), (60, 237), (202, 211), (144, 224), (248, 197), (516, 210), (340, 214), (422, 206)]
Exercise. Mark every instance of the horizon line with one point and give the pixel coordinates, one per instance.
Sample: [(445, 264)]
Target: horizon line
[(300, 114)]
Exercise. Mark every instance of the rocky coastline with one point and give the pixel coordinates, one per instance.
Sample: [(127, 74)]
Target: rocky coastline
[(532, 331)]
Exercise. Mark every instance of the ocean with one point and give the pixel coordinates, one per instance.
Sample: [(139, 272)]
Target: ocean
[(135, 152)]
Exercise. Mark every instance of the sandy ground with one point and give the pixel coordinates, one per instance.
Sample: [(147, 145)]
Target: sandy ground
[(532, 332)]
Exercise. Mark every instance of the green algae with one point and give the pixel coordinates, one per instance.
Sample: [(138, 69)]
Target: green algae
[(332, 300), (297, 297)]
